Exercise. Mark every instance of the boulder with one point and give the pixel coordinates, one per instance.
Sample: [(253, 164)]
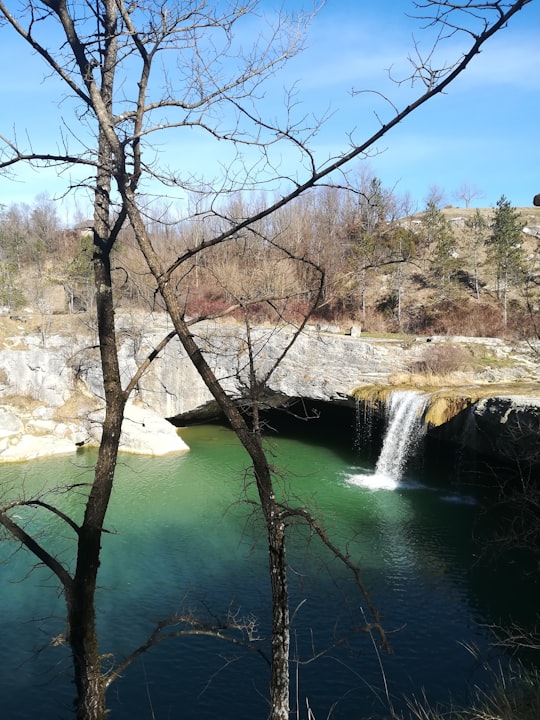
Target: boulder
[(144, 432)]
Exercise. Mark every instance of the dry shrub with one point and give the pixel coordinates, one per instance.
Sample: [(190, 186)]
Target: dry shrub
[(524, 323), (466, 317), (333, 310), (371, 321), (377, 322), (443, 359), (471, 318), (417, 320), (297, 309), (206, 302)]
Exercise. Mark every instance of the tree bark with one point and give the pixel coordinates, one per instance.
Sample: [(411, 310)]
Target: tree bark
[(89, 679), (251, 439)]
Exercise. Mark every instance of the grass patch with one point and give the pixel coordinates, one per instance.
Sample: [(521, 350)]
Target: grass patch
[(514, 695), (398, 337), (445, 400), (485, 357), (372, 394)]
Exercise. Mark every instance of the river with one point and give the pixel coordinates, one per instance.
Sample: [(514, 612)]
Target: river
[(183, 539)]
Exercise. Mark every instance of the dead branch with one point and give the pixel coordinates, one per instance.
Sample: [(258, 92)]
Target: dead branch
[(185, 625)]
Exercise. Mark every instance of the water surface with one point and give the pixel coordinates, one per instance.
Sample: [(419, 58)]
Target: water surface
[(183, 538)]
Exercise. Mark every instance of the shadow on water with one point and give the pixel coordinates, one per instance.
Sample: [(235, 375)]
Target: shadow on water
[(182, 540)]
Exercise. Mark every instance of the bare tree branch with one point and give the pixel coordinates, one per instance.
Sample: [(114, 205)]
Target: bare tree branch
[(185, 625), (34, 547)]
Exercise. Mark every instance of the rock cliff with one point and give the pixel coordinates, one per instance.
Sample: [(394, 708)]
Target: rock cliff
[(51, 394)]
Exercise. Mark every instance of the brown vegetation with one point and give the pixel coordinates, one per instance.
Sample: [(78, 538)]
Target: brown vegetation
[(381, 263)]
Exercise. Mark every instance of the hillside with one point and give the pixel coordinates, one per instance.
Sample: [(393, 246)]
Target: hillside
[(530, 215), (470, 303), (384, 272)]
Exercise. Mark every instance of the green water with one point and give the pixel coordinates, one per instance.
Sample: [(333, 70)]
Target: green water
[(183, 538)]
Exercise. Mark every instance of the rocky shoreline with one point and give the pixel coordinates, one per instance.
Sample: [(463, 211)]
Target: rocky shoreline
[(28, 434), (51, 393)]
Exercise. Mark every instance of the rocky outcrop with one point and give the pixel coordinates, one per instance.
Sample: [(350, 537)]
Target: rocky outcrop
[(30, 433), (51, 392), (506, 427), (51, 402)]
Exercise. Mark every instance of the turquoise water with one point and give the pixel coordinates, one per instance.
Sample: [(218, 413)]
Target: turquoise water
[(182, 538)]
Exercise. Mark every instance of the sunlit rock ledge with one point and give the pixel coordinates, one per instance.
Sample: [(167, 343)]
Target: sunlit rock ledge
[(31, 433), (51, 387)]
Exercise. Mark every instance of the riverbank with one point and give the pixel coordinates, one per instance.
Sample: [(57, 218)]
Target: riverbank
[(51, 391)]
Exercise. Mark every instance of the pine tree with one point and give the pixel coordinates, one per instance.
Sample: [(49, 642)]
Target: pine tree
[(505, 250), (441, 245)]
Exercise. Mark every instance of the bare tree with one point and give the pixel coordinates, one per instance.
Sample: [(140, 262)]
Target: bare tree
[(14, 222), (436, 197), (477, 228), (467, 193), (112, 59)]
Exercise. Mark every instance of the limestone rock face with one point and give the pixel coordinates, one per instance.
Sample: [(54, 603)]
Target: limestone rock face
[(328, 367), (51, 389), (26, 434), (144, 432), (503, 427), (10, 424), (37, 372), (318, 367), (508, 426), (51, 402)]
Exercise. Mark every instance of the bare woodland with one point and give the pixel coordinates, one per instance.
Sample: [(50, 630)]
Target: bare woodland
[(304, 248)]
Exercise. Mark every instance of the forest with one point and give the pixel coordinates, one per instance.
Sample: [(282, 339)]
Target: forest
[(442, 270)]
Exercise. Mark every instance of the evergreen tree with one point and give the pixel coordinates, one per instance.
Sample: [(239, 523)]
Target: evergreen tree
[(505, 250), (440, 243)]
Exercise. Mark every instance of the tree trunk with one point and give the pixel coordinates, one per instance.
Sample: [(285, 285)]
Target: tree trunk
[(279, 681), (252, 441), (505, 299), (90, 701), (90, 682)]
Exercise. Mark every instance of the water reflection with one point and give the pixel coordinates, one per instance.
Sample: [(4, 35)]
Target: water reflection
[(181, 539)]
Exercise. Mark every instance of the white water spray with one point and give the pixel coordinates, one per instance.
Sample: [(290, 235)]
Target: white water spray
[(404, 429)]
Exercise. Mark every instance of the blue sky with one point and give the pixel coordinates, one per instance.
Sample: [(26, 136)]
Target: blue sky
[(482, 132)]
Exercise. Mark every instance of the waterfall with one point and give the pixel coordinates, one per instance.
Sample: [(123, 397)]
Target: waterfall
[(403, 431), (364, 425)]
